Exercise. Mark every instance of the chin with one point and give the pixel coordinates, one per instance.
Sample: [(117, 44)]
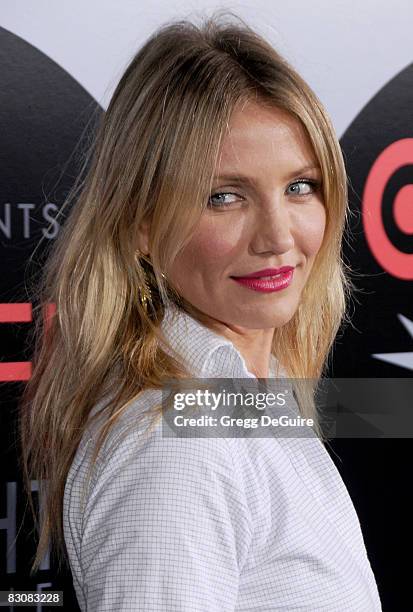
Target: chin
[(269, 319), (278, 316)]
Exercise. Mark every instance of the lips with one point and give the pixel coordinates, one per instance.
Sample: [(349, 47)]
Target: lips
[(267, 284), (267, 273)]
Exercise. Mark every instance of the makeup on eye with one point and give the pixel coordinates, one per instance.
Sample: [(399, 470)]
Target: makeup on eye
[(315, 184)]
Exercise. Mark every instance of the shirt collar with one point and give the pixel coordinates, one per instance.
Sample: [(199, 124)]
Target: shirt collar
[(205, 352)]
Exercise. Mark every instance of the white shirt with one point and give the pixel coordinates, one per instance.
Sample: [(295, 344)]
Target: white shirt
[(212, 524)]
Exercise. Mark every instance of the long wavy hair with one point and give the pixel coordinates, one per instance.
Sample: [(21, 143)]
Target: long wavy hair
[(153, 159)]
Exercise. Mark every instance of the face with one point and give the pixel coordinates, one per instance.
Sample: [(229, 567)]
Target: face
[(265, 211)]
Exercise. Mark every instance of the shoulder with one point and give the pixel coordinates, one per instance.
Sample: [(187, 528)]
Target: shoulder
[(140, 432), (160, 510), (136, 449), (139, 452)]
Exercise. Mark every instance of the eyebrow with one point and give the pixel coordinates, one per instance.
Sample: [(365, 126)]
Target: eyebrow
[(246, 179)]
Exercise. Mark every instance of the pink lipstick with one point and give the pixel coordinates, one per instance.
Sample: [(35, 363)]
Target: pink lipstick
[(267, 280)]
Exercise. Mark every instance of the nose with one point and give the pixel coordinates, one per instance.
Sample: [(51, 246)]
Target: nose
[(274, 231)]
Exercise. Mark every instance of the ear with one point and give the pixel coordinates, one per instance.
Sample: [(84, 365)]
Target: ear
[(143, 237)]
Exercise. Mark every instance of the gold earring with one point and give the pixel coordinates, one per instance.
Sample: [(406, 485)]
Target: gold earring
[(145, 294)]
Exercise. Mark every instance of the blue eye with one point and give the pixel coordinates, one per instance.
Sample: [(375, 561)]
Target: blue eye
[(314, 184), (221, 194)]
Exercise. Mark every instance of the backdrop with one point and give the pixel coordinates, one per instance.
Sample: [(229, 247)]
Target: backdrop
[(59, 64)]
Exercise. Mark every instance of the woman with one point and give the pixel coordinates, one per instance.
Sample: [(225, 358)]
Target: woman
[(214, 161)]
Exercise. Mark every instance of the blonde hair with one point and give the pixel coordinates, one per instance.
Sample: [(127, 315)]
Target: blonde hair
[(153, 159)]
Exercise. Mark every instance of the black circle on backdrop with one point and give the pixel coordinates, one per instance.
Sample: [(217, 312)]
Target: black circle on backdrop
[(46, 118), (386, 119)]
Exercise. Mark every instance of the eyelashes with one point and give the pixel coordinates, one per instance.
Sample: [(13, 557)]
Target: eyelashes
[(314, 184)]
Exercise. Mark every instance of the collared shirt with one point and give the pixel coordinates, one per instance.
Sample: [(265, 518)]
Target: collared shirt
[(211, 524)]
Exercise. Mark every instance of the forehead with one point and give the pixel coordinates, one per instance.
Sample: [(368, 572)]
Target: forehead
[(261, 134)]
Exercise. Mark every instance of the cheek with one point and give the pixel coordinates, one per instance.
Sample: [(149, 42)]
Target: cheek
[(211, 247), (312, 230)]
